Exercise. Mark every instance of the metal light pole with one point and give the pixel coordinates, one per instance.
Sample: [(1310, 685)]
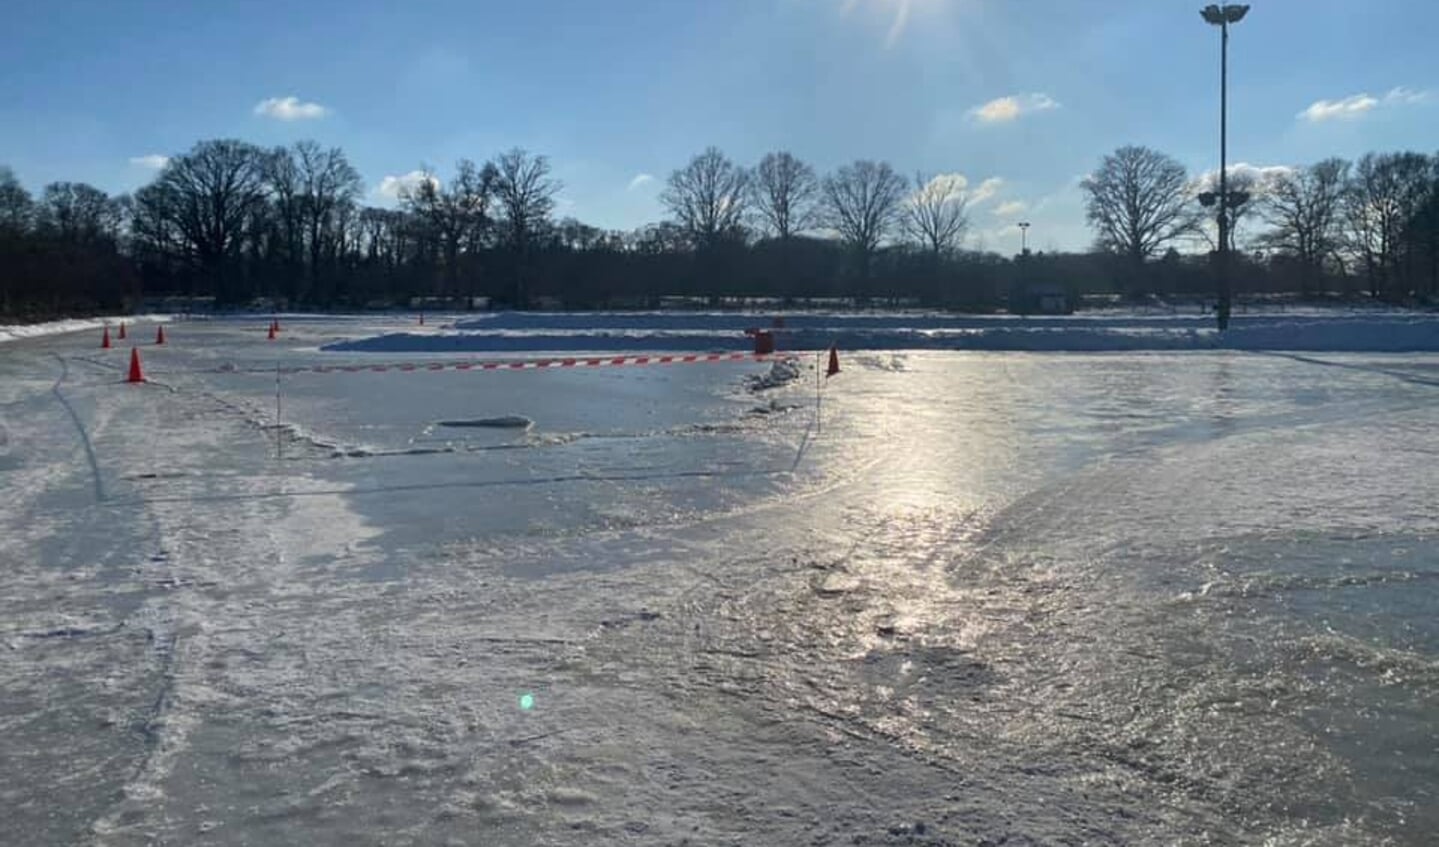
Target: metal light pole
[(1023, 238), (1222, 17)]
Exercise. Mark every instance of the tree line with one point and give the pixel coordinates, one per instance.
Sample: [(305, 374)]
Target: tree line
[(1371, 224), (241, 223)]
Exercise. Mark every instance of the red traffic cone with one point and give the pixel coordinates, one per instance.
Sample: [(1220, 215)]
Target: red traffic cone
[(160, 334), (271, 334), (122, 330), (105, 338), (833, 362), (136, 375)]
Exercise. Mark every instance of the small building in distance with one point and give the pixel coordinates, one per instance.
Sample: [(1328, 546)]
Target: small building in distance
[(1041, 298)]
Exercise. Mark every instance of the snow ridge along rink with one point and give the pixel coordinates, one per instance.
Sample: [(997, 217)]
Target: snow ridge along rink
[(1112, 598)]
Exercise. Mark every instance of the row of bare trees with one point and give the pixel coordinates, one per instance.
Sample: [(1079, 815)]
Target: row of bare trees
[(866, 204), (1377, 218), (230, 219), (293, 216), (239, 222), (61, 250)]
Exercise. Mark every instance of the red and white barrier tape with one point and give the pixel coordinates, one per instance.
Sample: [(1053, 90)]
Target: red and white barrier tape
[(524, 364)]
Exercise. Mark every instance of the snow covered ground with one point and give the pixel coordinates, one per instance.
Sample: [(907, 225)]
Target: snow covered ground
[(1313, 329), (13, 332), (1111, 598)]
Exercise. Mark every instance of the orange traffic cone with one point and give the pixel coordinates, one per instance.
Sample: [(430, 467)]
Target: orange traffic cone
[(833, 362), (160, 334), (105, 338), (271, 334), (122, 330), (136, 375)]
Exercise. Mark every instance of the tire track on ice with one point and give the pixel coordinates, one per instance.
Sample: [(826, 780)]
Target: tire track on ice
[(79, 427)]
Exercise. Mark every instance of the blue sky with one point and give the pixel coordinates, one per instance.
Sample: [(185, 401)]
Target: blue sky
[(1024, 94)]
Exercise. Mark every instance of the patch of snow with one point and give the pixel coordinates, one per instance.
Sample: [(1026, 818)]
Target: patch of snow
[(781, 372), (15, 332)]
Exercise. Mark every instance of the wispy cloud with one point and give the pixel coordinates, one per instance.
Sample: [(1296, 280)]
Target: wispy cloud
[(1401, 96), (152, 161), (640, 180), (1009, 209), (289, 109), (390, 187), (1005, 109), (1358, 105), (896, 29), (985, 190)]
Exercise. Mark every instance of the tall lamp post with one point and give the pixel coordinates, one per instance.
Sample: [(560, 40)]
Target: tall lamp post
[(1222, 17), (1023, 238)]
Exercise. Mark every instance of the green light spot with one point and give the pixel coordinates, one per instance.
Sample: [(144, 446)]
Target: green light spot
[(527, 702)]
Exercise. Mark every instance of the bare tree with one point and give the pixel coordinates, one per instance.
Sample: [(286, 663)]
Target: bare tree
[(862, 203), (935, 214), (154, 233), (1139, 201), (1385, 192), (455, 215), (328, 184), (526, 195), (1422, 231), (287, 193), (783, 192), (207, 196), (1303, 208), (16, 207), (707, 197), (74, 212), (384, 236)]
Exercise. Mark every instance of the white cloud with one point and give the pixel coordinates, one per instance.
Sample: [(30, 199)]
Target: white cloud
[(1259, 174), (640, 180), (289, 109), (986, 190), (1009, 209), (1346, 109), (1005, 109), (1358, 105), (391, 186), (957, 185), (946, 184), (152, 161)]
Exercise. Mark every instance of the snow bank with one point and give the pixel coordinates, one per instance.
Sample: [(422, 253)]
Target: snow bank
[(1349, 331), (781, 372), (15, 332)]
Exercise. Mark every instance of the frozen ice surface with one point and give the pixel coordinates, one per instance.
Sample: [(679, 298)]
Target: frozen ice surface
[(1366, 330), (1107, 598)]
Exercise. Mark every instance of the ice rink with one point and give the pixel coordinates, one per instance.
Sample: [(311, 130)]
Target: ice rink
[(1105, 597)]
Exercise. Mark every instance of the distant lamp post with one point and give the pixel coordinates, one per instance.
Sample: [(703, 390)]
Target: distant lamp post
[(1023, 238), (1222, 17)]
